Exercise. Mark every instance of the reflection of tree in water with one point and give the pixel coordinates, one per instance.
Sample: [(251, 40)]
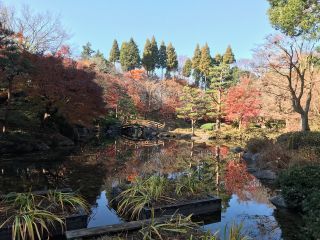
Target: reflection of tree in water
[(238, 181), (81, 172)]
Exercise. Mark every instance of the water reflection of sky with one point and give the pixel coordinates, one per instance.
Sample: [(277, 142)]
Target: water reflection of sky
[(102, 214), (257, 218), (245, 199)]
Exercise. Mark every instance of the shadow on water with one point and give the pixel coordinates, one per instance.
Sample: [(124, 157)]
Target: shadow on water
[(95, 171)]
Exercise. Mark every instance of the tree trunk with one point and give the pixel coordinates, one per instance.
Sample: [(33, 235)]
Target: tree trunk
[(305, 122), (117, 111), (240, 124), (6, 113), (192, 126), (218, 120)]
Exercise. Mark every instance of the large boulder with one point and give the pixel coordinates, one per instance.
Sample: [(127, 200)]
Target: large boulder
[(265, 174), (279, 201)]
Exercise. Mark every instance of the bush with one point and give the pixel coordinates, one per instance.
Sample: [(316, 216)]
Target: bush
[(297, 183), (296, 140), (256, 145), (208, 126), (274, 156), (107, 121), (311, 206)]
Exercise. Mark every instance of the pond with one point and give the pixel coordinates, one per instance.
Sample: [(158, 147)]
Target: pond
[(94, 171)]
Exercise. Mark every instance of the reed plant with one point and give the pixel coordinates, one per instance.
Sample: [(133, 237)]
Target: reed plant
[(32, 216)]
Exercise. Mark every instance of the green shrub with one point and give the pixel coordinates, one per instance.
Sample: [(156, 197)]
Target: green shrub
[(299, 182), (208, 126), (107, 121), (311, 207), (256, 145), (296, 140)]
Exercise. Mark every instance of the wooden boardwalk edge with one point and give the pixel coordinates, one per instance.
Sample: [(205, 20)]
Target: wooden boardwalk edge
[(112, 229)]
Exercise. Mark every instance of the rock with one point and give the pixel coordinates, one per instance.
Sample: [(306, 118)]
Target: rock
[(237, 149), (278, 201), (247, 156), (59, 140), (265, 174), (255, 157)]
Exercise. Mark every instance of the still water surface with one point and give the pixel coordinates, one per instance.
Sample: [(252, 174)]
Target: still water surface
[(95, 171)]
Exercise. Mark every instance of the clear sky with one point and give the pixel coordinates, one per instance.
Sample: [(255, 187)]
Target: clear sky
[(241, 23)]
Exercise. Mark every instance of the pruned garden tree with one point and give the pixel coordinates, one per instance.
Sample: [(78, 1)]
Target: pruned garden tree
[(194, 105), (221, 79)]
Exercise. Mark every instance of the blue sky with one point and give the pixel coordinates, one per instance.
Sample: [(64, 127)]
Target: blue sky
[(242, 24)]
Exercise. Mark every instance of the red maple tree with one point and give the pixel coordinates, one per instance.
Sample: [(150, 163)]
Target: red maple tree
[(243, 102)]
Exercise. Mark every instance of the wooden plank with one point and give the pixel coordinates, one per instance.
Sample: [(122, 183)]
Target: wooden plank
[(112, 229)]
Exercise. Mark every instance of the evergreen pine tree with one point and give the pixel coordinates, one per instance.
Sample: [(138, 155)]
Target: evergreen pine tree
[(129, 56), (194, 105), (155, 51), (134, 55), (195, 64), (228, 57), (114, 52), (218, 59), (205, 63), (147, 59), (162, 60), (186, 70), (87, 51), (172, 60), (221, 79)]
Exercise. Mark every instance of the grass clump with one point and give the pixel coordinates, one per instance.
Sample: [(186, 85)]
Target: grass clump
[(158, 190), (33, 216), (179, 227)]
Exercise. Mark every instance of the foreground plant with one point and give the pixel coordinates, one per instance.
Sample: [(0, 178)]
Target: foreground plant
[(177, 225), (142, 193), (67, 201), (235, 232), (33, 216)]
